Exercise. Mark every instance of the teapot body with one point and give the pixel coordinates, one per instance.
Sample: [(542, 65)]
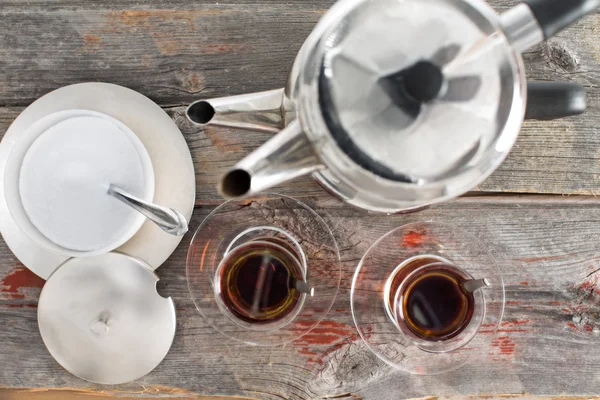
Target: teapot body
[(352, 179)]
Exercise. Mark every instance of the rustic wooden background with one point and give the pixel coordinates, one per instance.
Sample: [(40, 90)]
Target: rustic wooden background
[(540, 211)]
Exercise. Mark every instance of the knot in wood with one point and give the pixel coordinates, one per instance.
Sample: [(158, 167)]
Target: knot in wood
[(559, 57)]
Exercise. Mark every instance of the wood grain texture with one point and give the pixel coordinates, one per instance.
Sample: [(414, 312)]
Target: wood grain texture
[(178, 51), (61, 394), (74, 394), (547, 248)]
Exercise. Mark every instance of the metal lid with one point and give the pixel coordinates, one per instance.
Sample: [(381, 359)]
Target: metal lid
[(102, 319), (419, 91)]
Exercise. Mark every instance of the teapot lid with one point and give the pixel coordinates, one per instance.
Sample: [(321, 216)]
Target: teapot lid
[(420, 91)]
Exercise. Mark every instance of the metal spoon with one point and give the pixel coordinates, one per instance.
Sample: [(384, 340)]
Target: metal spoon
[(167, 219)]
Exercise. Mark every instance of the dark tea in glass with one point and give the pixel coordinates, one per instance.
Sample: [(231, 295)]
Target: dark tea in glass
[(431, 299), (435, 306), (261, 281)]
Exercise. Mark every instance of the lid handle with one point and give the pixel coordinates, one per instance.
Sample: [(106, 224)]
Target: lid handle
[(424, 81), (555, 15)]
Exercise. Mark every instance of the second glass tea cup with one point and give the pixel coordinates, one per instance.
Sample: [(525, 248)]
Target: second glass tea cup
[(427, 298)]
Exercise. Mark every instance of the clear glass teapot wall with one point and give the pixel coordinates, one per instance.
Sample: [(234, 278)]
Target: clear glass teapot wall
[(393, 105)]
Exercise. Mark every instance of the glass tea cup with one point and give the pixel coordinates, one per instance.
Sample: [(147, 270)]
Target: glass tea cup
[(439, 306), (263, 271), (261, 282), (427, 298)]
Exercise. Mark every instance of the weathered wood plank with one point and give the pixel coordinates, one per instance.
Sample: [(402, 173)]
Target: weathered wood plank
[(177, 51), (550, 256), (60, 394), (169, 51), (68, 394)]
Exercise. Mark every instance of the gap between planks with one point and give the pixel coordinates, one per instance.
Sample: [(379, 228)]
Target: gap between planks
[(326, 200)]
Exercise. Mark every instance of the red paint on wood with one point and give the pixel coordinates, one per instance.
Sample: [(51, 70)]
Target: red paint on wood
[(524, 283), (513, 303), (326, 333), (588, 298), (586, 326), (537, 259), (313, 356), (19, 305), (334, 335), (506, 327), (222, 141), (508, 324), (504, 345), (18, 279), (591, 284), (514, 322), (413, 239)]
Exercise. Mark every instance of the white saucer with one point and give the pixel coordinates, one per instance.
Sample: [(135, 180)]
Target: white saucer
[(175, 182)]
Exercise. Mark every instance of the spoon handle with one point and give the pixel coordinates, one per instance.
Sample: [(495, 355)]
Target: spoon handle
[(475, 284), (169, 220)]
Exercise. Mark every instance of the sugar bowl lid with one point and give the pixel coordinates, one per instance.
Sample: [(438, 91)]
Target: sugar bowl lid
[(102, 319), (420, 91)]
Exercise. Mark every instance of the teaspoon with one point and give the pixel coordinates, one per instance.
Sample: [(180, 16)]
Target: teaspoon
[(167, 219)]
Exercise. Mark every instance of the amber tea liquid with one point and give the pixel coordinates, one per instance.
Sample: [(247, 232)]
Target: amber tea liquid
[(257, 281), (432, 303)]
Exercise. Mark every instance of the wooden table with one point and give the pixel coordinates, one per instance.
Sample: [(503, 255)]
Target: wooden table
[(540, 211)]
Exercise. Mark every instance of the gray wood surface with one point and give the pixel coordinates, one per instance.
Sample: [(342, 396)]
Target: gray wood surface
[(177, 51), (87, 394)]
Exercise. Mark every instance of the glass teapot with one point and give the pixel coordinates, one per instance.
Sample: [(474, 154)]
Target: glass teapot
[(393, 105)]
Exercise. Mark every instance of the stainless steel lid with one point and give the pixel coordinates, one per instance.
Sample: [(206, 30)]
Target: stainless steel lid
[(421, 91), (102, 319)]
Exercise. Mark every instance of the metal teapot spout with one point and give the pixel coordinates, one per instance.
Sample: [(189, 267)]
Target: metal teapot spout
[(286, 156), (262, 111)]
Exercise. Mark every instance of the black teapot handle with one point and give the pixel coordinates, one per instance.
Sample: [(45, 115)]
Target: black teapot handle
[(555, 15), (553, 100)]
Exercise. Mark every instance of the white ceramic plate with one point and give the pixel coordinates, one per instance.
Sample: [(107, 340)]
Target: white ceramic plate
[(173, 168), (130, 223)]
